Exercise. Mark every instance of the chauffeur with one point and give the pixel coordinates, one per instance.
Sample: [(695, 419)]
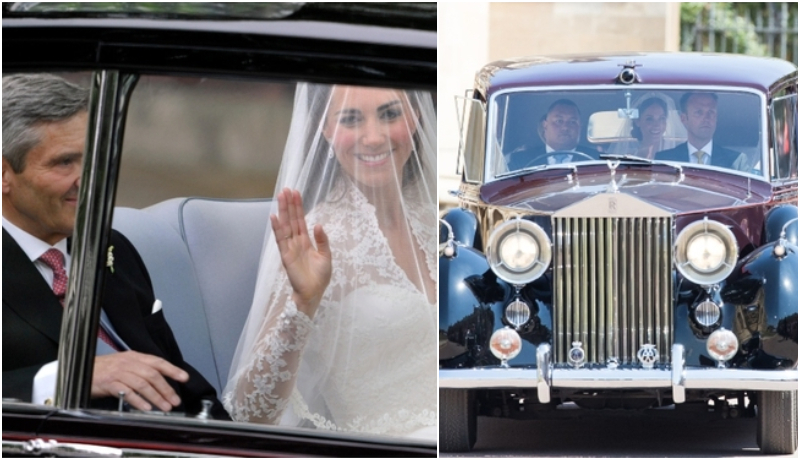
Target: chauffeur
[(44, 133)]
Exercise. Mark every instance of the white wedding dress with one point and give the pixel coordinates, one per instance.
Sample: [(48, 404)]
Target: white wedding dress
[(367, 362)]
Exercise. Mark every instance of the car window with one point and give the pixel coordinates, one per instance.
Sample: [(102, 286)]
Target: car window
[(199, 165), (784, 152), (200, 162), (187, 136), (640, 122)]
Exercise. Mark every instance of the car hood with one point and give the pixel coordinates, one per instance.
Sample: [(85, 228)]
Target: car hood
[(675, 190)]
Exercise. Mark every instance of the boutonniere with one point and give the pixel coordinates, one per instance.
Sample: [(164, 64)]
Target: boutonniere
[(110, 259)]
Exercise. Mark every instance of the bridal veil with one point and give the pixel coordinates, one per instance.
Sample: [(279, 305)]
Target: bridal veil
[(363, 160)]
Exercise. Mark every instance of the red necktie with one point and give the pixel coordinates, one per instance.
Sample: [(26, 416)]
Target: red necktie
[(55, 260)]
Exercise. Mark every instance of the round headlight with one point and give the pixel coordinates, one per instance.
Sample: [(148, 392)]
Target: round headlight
[(705, 252), (518, 313), (707, 313), (518, 251), (505, 344), (722, 345)]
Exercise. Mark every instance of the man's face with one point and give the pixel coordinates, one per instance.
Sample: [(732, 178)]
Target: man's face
[(42, 198), (700, 119), (562, 127)]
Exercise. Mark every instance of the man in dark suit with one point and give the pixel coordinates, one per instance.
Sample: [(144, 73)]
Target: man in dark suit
[(699, 116), (44, 132), (560, 129)]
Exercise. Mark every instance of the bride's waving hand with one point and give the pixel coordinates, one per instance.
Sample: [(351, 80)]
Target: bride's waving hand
[(308, 268)]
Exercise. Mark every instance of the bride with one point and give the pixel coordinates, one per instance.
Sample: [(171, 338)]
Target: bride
[(342, 331)]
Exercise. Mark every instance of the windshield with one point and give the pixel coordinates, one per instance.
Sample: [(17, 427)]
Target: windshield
[(538, 129)]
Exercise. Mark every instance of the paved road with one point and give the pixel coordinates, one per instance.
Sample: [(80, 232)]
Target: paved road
[(618, 435)]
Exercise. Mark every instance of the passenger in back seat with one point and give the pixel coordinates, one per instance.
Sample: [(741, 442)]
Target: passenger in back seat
[(44, 135), (342, 334)]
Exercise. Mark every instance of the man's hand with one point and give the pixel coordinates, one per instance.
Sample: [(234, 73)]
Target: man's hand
[(140, 376)]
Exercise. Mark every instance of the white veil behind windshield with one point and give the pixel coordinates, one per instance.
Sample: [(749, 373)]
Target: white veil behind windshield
[(633, 140), (363, 160)]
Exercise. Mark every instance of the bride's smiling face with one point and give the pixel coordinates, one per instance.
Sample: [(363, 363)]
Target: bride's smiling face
[(371, 131), (653, 123)]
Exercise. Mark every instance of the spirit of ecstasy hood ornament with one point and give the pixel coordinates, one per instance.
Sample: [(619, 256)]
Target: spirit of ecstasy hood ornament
[(612, 166)]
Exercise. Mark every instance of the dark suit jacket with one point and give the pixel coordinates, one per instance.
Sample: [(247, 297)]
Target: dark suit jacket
[(521, 158), (32, 324), (720, 156)]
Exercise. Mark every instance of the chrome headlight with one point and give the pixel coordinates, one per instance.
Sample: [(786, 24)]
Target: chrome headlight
[(705, 252), (518, 251)]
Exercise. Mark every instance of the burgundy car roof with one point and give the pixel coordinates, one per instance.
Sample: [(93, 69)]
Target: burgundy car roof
[(653, 68)]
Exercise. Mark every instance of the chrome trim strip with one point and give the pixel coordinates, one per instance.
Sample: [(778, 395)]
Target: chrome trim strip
[(598, 378), (693, 378), (583, 300)]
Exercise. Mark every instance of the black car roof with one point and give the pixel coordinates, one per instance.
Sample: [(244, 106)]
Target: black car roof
[(343, 49)]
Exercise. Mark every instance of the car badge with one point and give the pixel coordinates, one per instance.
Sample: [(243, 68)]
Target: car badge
[(612, 362), (648, 355), (577, 357)]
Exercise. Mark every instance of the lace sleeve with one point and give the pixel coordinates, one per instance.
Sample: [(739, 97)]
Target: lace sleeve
[(264, 386)]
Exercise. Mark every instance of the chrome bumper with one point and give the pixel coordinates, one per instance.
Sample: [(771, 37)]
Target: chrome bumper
[(677, 377)]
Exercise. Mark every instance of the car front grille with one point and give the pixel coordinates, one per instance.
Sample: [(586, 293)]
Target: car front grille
[(612, 286)]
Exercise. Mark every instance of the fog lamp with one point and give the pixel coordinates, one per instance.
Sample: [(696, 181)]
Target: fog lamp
[(707, 313), (518, 313), (722, 345), (505, 344)]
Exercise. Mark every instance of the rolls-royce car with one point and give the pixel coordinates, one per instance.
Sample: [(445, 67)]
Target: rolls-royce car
[(626, 239)]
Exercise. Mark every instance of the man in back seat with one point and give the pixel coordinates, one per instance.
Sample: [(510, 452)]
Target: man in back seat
[(44, 134)]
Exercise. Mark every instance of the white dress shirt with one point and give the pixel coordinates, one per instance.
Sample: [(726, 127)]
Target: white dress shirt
[(706, 149), (552, 160), (34, 248)]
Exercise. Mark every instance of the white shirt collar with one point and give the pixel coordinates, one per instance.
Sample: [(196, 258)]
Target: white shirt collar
[(706, 148), (549, 149), (32, 246)]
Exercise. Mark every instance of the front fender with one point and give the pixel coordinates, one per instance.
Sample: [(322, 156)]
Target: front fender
[(763, 293), (470, 308), (465, 227), (778, 219)]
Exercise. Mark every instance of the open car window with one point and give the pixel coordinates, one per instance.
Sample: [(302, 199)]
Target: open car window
[(199, 165)]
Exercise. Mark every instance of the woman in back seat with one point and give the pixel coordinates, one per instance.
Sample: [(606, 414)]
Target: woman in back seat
[(342, 331)]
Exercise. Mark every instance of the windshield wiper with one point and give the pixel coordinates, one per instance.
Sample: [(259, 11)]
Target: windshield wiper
[(613, 156), (637, 159), (538, 167)]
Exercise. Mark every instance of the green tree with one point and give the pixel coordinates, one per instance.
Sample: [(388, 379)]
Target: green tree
[(732, 28)]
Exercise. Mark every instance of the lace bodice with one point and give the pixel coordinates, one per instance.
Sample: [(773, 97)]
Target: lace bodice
[(368, 359)]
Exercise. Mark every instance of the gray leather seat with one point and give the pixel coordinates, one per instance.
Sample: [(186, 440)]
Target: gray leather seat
[(203, 256)]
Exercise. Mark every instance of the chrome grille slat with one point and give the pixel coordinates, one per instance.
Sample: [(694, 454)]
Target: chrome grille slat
[(612, 286)]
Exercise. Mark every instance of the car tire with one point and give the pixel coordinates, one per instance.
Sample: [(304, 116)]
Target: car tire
[(457, 420), (777, 422)]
